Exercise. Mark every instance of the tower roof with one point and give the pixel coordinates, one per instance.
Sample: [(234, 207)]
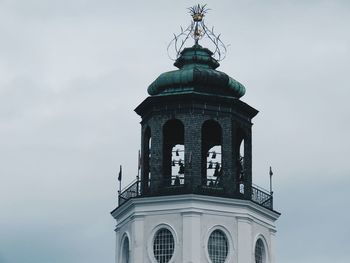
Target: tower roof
[(197, 73)]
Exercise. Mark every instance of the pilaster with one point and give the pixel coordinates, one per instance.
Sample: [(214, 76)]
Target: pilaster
[(245, 239), (138, 242), (191, 225)]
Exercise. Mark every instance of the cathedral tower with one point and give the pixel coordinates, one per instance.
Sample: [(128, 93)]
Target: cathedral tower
[(194, 201)]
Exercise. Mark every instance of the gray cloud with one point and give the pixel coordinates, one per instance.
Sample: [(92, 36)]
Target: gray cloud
[(73, 71)]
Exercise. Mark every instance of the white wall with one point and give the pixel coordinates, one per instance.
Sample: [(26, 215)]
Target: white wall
[(191, 218)]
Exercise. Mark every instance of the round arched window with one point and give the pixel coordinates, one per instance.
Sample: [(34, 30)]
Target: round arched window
[(125, 250), (260, 253), (163, 245), (217, 246)]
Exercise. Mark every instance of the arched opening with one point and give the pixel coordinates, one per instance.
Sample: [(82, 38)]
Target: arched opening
[(240, 167), (125, 250), (178, 164), (211, 154), (173, 153), (239, 156), (146, 174)]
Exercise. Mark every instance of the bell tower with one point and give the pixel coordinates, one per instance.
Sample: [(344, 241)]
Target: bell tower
[(195, 200)]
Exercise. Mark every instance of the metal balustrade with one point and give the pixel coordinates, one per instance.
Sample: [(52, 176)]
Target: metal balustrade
[(131, 191), (177, 185), (262, 198)]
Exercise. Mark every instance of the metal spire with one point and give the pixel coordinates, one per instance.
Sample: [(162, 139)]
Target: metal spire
[(197, 30)]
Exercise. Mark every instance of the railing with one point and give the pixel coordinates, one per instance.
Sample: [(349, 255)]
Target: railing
[(131, 191), (177, 185), (262, 197)]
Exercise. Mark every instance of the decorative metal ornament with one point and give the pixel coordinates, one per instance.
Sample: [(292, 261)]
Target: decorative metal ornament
[(197, 30)]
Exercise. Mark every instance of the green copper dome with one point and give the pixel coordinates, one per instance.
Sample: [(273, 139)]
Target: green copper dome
[(196, 73)]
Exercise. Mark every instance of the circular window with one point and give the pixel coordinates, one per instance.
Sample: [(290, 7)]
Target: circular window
[(163, 245), (260, 254), (218, 246)]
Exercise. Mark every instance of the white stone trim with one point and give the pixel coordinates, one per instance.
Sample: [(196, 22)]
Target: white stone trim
[(213, 201), (229, 239), (151, 241)]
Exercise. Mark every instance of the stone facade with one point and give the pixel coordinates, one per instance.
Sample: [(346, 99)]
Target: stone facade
[(191, 219)]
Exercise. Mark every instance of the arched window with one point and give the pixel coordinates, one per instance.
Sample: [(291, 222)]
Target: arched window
[(125, 250), (240, 159), (146, 175), (211, 154), (240, 167), (260, 252), (173, 153)]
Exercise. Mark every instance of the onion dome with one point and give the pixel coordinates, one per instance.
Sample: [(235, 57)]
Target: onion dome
[(196, 74)]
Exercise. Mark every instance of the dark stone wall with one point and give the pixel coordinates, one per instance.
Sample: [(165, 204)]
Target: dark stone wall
[(233, 116)]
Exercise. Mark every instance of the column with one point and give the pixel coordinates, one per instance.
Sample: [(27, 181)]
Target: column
[(248, 163), (193, 143), (156, 161), (227, 156)]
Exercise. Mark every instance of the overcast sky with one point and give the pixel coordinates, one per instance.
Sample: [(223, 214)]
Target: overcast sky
[(72, 72)]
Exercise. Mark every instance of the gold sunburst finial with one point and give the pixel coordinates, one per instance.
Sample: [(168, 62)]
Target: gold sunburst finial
[(198, 12), (197, 30)]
